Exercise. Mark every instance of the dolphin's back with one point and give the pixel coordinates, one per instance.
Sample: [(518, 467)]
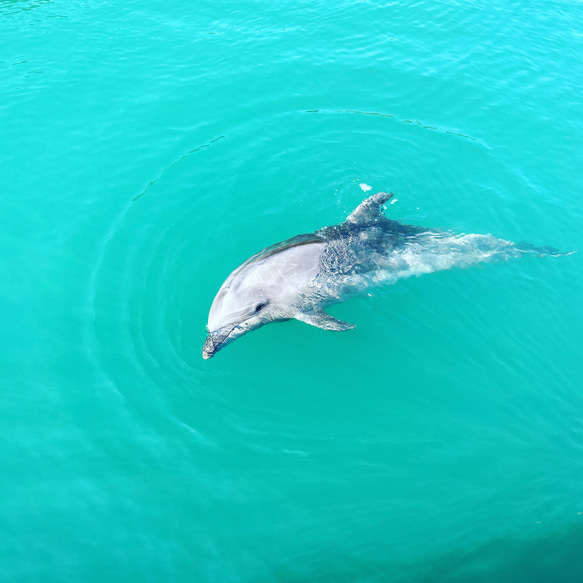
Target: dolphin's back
[(364, 247)]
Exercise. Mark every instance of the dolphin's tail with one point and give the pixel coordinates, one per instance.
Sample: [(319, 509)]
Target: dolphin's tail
[(542, 251)]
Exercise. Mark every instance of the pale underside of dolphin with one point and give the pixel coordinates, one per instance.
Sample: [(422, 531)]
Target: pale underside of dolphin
[(299, 277)]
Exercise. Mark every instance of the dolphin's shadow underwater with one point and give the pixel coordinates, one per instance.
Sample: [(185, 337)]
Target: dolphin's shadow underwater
[(299, 277)]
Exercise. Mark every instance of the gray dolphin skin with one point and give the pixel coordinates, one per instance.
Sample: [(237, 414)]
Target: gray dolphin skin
[(299, 277)]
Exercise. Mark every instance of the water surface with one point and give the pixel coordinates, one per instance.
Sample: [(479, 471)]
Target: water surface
[(146, 150)]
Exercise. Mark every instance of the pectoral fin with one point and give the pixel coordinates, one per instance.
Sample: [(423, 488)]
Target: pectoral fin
[(321, 319)]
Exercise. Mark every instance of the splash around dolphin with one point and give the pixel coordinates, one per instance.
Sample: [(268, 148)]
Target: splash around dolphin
[(299, 277)]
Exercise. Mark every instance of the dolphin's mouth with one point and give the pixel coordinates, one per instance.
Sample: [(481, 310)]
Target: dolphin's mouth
[(215, 341)]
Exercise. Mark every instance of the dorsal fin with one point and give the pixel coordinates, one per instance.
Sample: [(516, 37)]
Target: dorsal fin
[(369, 209)]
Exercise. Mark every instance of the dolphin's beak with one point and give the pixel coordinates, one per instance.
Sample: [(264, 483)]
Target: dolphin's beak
[(206, 353), (215, 341)]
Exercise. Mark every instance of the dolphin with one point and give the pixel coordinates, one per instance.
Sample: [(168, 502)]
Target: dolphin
[(299, 277)]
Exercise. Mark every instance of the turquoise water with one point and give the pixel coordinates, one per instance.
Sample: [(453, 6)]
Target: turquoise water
[(148, 148)]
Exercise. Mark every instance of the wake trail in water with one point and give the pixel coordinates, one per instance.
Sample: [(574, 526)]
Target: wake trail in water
[(433, 251)]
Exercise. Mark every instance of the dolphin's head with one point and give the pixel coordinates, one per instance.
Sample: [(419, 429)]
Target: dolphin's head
[(266, 288), (234, 317)]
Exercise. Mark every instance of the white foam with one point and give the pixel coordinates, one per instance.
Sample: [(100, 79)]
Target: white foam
[(440, 251)]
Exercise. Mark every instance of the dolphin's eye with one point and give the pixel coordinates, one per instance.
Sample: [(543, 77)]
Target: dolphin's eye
[(259, 307)]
